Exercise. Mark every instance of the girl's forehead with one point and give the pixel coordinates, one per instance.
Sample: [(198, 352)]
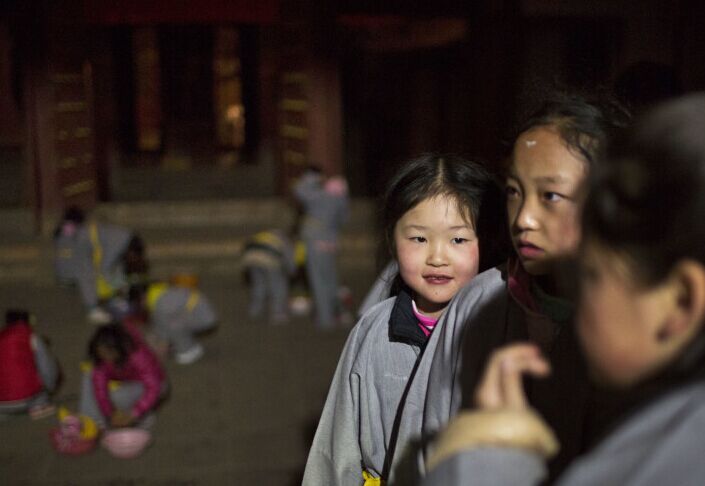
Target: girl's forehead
[(541, 153), (442, 205)]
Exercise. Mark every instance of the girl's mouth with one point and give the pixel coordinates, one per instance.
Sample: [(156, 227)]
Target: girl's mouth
[(527, 250), (437, 279)]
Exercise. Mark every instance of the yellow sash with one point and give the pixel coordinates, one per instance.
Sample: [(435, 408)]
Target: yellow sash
[(155, 291), (300, 253), (267, 238), (105, 290), (370, 480)]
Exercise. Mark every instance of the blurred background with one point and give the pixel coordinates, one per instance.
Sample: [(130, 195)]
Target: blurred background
[(188, 121)]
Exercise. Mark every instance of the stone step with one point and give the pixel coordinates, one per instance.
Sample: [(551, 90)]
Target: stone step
[(204, 237), (243, 214)]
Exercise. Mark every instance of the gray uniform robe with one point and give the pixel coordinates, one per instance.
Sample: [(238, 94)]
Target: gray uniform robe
[(74, 259), (480, 301), (482, 317), (179, 314), (662, 444), (324, 216), (356, 425)]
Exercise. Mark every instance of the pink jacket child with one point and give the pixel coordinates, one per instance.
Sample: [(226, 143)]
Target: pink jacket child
[(127, 381)]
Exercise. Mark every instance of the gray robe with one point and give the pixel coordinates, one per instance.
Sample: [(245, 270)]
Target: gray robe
[(179, 314), (380, 288), (662, 444), (482, 317), (324, 216), (74, 258), (429, 404), (358, 418)]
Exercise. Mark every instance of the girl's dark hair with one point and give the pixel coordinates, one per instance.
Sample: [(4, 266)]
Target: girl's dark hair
[(584, 121), (112, 336), (74, 214), (16, 316), (466, 182), (647, 200)]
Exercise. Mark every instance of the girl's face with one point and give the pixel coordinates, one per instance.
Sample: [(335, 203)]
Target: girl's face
[(68, 229), (107, 354), (617, 319), (437, 251), (544, 198)]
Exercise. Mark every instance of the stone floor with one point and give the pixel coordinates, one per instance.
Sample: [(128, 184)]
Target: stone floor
[(244, 414)]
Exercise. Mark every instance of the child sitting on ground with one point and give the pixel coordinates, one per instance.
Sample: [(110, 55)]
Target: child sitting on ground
[(120, 355), (28, 372)]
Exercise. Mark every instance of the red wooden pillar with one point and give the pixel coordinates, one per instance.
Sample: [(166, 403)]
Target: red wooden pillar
[(310, 108), (148, 112), (60, 125)]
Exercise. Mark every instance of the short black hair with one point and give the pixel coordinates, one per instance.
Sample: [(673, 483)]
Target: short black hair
[(16, 316), (74, 214), (585, 120), (647, 197), (113, 336)]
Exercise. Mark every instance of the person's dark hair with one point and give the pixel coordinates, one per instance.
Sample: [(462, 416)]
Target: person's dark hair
[(75, 215), (16, 316), (468, 183), (647, 199), (136, 292), (112, 336), (584, 121)]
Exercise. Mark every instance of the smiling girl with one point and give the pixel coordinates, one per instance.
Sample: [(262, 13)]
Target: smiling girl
[(431, 215)]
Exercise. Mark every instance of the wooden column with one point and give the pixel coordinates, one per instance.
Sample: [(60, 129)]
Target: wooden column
[(228, 105), (148, 110), (60, 124)]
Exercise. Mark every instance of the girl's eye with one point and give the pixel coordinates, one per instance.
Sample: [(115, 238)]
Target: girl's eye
[(418, 239), (552, 196), (511, 192), (459, 241)]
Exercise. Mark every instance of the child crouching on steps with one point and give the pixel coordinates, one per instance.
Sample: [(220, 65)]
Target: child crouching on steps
[(177, 313), (431, 215)]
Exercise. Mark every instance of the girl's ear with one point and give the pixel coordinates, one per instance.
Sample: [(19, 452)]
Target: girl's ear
[(688, 310)]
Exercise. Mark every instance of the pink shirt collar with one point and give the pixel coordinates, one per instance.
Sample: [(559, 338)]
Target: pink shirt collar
[(425, 323)]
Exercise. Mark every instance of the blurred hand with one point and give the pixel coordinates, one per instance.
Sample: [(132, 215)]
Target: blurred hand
[(121, 418), (501, 385)]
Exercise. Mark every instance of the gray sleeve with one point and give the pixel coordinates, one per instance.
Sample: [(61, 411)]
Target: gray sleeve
[(335, 457), (85, 275), (114, 240), (488, 467), (478, 306), (46, 364)]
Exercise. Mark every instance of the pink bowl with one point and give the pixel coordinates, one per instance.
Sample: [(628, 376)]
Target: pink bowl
[(126, 443)]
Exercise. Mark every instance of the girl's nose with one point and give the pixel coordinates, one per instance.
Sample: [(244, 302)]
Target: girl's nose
[(526, 216), (436, 255)]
